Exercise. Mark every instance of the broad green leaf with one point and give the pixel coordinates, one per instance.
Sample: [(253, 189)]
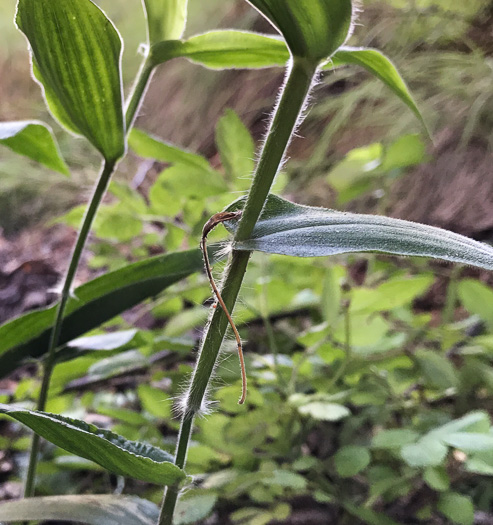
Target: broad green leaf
[(110, 341), (408, 150), (481, 463), (94, 303), (457, 508), (437, 478), (303, 231), (76, 56), (427, 452), (154, 401), (313, 30), (351, 460), (394, 438), (477, 298), (193, 508), (438, 371), (113, 452), (324, 411), (93, 510), (147, 146), (236, 148), (382, 67), (470, 441), (166, 19), (286, 479), (226, 49), (34, 140), (392, 294)]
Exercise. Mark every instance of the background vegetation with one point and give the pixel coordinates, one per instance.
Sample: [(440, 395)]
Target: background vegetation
[(360, 367)]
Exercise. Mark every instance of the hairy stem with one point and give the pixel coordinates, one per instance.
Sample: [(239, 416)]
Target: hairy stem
[(97, 196), (291, 103)]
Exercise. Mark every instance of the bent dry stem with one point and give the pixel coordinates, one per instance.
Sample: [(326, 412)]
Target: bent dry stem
[(135, 100), (216, 219), (299, 81)]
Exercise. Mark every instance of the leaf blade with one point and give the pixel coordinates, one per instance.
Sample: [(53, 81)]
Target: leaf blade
[(379, 65), (76, 56), (111, 451), (95, 302), (303, 231), (35, 140), (93, 510)]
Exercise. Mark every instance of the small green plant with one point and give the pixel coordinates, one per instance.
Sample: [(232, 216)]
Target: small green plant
[(76, 59)]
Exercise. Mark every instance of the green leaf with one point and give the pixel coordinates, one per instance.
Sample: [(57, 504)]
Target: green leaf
[(477, 298), (34, 140), (427, 452), (246, 50), (438, 371), (394, 438), (351, 460), (236, 147), (93, 510), (225, 50), (193, 508), (312, 30), (303, 231), (150, 147), (477, 421), (286, 479), (127, 458), (470, 441), (457, 508), (107, 342), (76, 56), (166, 20), (408, 150), (382, 67), (324, 411), (437, 478), (94, 303)]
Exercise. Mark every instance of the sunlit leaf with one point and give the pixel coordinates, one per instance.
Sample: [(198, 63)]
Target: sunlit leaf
[(303, 231), (113, 452), (34, 140), (76, 55), (225, 49), (147, 146), (93, 510)]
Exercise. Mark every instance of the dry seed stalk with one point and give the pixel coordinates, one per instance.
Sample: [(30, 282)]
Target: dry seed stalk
[(216, 219)]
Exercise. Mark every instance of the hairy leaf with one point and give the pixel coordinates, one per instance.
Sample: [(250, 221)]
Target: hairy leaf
[(94, 303), (303, 231), (93, 510), (34, 140), (113, 452), (76, 56)]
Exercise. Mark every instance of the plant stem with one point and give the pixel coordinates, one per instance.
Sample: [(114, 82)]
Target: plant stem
[(293, 96), (97, 196)]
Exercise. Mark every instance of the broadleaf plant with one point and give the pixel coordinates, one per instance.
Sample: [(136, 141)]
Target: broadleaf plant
[(113, 452), (34, 140)]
